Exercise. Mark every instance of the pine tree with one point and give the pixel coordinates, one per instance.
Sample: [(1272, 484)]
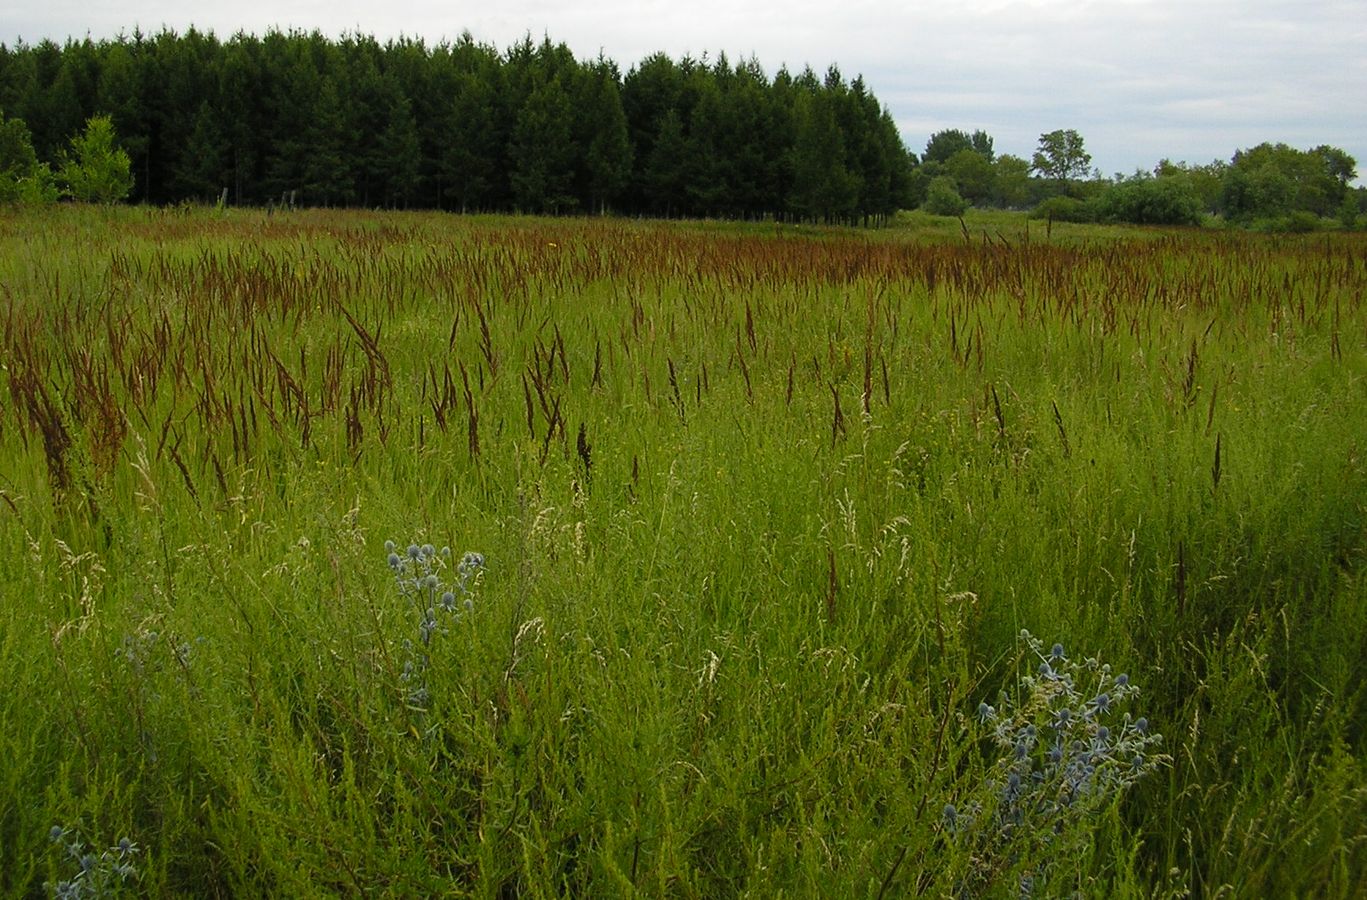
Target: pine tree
[(202, 171), (543, 154), (603, 125), (471, 156), (664, 175)]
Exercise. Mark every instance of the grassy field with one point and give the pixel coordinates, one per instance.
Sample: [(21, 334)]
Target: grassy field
[(763, 515)]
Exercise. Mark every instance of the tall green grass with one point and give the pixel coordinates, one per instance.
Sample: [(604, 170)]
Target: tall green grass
[(764, 511)]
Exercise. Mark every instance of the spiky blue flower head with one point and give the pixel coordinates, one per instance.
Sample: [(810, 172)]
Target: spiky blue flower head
[(1103, 733), (126, 847), (1102, 702), (1045, 671), (1056, 652), (1141, 725), (429, 551), (1122, 679), (1013, 781), (1056, 754), (88, 862), (469, 604), (394, 560), (56, 833), (446, 552), (1063, 717), (985, 712), (388, 546), (430, 582), (414, 551), (950, 814), (448, 601)]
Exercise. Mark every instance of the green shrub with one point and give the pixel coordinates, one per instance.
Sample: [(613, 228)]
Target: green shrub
[(1150, 201), (942, 198), (1298, 222), (97, 171), (1064, 209), (23, 179)]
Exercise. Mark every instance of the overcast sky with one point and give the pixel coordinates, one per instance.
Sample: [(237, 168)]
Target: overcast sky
[(1139, 79)]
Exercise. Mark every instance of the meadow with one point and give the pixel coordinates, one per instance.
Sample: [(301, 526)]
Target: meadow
[(417, 555)]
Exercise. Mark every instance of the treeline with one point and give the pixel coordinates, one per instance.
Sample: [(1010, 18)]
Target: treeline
[(297, 117), (1271, 186)]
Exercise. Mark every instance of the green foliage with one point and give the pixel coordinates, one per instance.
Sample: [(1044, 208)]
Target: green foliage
[(23, 179), (97, 169), (202, 172), (470, 152), (1295, 222), (1011, 182), (542, 153), (824, 187), (944, 145), (1272, 181), (1205, 182), (608, 157), (1349, 210), (1150, 201), (973, 174), (1061, 155), (943, 199), (298, 117), (1064, 209)]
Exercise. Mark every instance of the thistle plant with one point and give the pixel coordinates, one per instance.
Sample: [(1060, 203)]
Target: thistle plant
[(97, 875), (418, 573), (1066, 752)]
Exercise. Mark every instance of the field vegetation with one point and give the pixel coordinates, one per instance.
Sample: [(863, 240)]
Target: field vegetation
[(747, 525)]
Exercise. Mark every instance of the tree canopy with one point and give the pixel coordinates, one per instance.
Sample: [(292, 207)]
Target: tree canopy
[(297, 116), (1061, 155)]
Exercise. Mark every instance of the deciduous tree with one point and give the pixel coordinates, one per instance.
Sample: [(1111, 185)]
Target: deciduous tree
[(1061, 155), (96, 169)]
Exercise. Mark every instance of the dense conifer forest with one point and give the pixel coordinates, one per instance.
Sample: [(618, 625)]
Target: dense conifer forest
[(300, 118)]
